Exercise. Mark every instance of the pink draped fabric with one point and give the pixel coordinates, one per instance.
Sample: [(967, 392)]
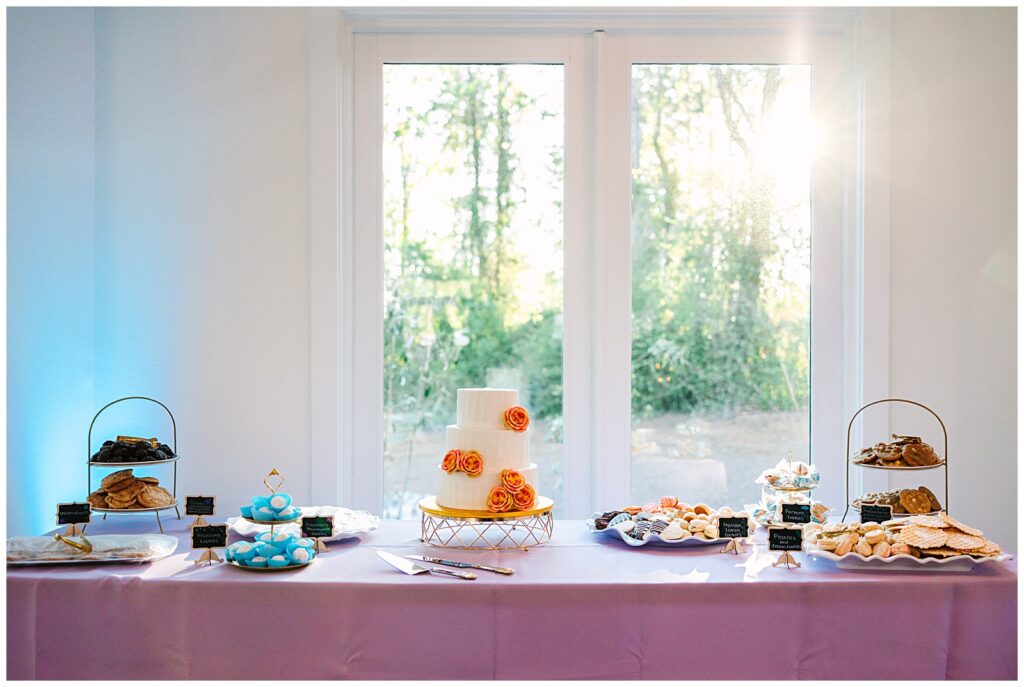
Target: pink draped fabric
[(578, 607)]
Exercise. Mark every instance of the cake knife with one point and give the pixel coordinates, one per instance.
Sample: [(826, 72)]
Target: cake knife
[(462, 564), (410, 568)]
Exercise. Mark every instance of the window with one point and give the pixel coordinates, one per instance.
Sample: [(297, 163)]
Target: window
[(675, 215), (472, 258), (720, 276)]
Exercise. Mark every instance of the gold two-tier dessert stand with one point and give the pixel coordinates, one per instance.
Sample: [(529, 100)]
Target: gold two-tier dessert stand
[(473, 529)]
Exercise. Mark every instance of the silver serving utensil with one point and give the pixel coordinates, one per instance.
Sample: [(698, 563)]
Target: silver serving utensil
[(410, 568), (462, 564)]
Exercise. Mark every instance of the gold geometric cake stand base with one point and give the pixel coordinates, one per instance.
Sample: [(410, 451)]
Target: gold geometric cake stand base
[(473, 529)]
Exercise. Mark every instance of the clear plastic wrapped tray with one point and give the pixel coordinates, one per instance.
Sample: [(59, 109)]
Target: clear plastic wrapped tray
[(106, 548)]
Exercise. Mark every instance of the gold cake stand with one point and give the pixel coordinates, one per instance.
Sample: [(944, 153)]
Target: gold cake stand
[(480, 529)]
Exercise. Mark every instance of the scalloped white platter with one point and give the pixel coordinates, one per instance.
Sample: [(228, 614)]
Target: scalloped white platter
[(347, 523), (654, 539), (903, 561)]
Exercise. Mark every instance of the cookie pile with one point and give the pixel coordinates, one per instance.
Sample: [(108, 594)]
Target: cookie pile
[(122, 490), (670, 519), (903, 452), (136, 451), (920, 536), (903, 501)]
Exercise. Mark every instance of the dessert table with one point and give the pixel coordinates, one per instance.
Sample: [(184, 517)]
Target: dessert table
[(580, 606)]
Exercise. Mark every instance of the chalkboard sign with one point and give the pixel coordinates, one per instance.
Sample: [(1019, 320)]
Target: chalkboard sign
[(210, 537), (318, 527), (733, 528), (797, 513), (875, 513), (199, 505), (74, 513), (785, 539)]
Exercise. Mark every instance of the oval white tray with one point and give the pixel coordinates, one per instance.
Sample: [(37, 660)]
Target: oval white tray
[(347, 523), (655, 539), (903, 561)]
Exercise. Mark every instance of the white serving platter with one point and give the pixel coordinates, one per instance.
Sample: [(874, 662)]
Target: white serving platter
[(655, 539), (347, 523), (903, 561)]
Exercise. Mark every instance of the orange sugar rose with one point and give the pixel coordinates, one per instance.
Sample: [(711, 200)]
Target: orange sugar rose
[(524, 498), (499, 500), (517, 419), (472, 463), (512, 481), (450, 462)]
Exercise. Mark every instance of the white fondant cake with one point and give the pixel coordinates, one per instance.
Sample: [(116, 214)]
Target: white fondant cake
[(480, 418)]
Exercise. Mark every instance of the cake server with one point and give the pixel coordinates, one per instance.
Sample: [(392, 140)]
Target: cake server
[(462, 564), (410, 568)]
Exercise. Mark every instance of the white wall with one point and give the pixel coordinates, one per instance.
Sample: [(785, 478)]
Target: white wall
[(202, 242), (50, 186), (954, 246)]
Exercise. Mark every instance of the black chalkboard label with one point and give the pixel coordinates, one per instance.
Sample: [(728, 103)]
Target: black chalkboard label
[(199, 505), (797, 513), (210, 537), (73, 513), (785, 539), (318, 526), (733, 528), (871, 512)]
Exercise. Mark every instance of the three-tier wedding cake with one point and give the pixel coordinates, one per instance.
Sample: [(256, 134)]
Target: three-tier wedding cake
[(487, 465)]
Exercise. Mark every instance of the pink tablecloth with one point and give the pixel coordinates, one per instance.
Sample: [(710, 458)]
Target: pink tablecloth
[(578, 607)]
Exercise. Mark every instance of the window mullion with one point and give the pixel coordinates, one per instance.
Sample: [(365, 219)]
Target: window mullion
[(611, 277)]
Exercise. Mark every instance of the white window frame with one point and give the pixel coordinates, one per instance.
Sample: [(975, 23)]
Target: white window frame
[(347, 268)]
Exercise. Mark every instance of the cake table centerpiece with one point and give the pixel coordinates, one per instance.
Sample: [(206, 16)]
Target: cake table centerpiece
[(486, 493)]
